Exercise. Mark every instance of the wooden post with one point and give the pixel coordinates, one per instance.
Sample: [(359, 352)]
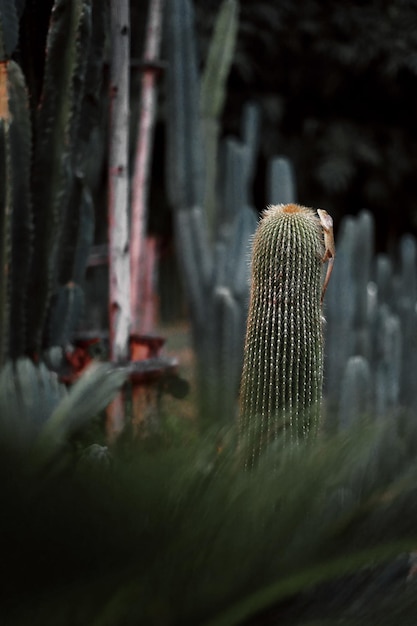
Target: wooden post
[(140, 315), (118, 197)]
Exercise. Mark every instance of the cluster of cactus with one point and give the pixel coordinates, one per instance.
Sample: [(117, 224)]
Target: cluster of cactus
[(371, 321), (213, 222), (46, 215), (370, 311), (371, 333), (209, 187)]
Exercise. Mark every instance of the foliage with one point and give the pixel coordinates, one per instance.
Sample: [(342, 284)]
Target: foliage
[(38, 415), (48, 111), (182, 535)]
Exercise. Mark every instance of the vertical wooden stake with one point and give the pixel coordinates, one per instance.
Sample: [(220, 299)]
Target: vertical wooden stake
[(118, 194), (138, 266)]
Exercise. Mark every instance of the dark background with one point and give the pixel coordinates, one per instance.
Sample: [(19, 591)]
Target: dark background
[(336, 82), (337, 87)]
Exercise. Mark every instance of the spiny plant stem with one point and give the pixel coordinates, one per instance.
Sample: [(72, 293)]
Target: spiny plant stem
[(283, 364)]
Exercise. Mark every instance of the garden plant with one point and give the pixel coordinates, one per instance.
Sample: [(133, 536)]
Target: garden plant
[(316, 523)]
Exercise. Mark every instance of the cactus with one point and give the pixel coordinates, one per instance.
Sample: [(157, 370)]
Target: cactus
[(340, 312), (236, 270), (361, 269), (372, 326), (408, 275), (66, 307), (384, 278), (281, 181), (356, 394), (212, 98), (226, 316), (56, 129), (388, 363), (185, 173), (16, 211), (9, 28), (79, 233), (47, 213), (212, 241), (234, 192), (282, 374)]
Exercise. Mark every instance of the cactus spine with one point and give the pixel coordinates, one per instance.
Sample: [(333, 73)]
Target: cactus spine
[(282, 375)]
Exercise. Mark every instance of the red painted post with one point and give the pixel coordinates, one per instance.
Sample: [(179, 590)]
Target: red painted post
[(141, 306)]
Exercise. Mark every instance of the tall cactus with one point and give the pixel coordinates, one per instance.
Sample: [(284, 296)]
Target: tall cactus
[(206, 234), (283, 364), (281, 181), (56, 130), (15, 204), (46, 210), (212, 98), (356, 394)]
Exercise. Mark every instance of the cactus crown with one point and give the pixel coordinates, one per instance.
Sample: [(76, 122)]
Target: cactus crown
[(283, 364)]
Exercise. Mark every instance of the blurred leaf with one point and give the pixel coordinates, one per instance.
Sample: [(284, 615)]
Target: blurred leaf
[(182, 535), (92, 392), (29, 394)]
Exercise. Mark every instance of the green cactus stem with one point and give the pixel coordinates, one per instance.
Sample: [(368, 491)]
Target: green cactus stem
[(15, 209), (9, 29), (212, 97), (57, 125), (282, 377)]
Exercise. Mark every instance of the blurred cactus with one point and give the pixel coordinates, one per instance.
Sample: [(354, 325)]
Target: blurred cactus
[(370, 307), (9, 27), (16, 209), (66, 308), (371, 334), (340, 309), (388, 362), (281, 181), (356, 395), (213, 225), (212, 98), (47, 214), (283, 363), (184, 153)]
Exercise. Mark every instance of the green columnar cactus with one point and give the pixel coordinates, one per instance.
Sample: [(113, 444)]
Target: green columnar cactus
[(46, 208), (57, 126), (281, 181), (212, 98), (205, 240), (282, 375), (356, 391), (15, 209)]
